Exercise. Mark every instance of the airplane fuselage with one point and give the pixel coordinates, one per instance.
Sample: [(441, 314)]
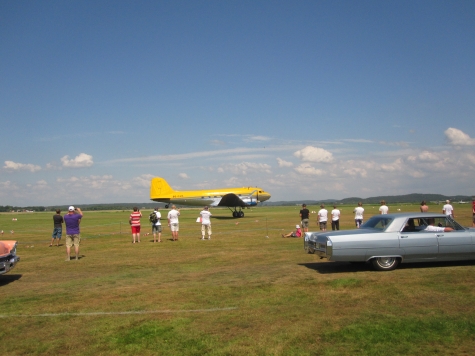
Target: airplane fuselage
[(160, 191)]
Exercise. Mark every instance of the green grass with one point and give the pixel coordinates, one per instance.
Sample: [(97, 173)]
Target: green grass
[(245, 292)]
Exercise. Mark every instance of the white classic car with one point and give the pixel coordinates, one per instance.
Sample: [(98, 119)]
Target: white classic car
[(387, 240), (8, 257)]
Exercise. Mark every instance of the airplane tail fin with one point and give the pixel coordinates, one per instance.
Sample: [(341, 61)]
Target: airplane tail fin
[(159, 188)]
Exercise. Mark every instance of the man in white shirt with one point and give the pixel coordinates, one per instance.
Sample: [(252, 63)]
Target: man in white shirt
[(173, 222), (335, 218), (359, 210), (438, 228), (323, 217), (448, 209), (383, 209), (205, 223)]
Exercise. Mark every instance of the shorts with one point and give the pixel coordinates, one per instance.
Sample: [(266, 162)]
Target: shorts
[(57, 232), (73, 240), (156, 228), (174, 227), (135, 229), (205, 229), (304, 223), (323, 225)]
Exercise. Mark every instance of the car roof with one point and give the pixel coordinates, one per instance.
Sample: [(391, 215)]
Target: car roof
[(411, 215)]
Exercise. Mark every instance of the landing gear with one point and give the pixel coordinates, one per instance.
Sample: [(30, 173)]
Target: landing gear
[(166, 206), (237, 212)]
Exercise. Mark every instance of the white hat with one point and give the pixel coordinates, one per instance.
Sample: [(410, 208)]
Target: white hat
[(447, 201), (297, 227), (71, 208)]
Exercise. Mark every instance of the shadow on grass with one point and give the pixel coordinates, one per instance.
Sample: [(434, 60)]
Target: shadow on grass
[(9, 278), (345, 267)]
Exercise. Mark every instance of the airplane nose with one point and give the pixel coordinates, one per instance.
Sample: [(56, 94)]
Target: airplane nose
[(264, 196)]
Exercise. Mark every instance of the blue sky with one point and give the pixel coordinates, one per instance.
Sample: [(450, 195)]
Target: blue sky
[(307, 100)]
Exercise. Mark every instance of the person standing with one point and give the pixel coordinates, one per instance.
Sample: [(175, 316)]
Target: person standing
[(205, 223), (72, 220), (383, 209), (335, 218), (323, 217), (424, 207), (58, 228), (359, 210), (173, 222), (157, 226), (448, 209), (134, 221), (304, 216)]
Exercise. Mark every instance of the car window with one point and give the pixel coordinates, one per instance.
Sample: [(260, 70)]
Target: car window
[(377, 222), (441, 222)]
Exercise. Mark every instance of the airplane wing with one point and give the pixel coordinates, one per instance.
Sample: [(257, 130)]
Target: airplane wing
[(231, 200)]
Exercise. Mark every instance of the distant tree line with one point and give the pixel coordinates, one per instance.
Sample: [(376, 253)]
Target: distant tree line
[(390, 199)]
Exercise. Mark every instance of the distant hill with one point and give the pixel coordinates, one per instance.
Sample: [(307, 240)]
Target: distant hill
[(390, 199)]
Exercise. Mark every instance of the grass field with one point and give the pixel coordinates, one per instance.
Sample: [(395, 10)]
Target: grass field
[(247, 291)]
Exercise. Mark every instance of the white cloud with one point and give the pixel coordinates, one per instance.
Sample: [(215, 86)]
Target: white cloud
[(283, 163), (259, 138), (143, 180), (183, 176), (82, 160), (458, 138), (428, 156), (245, 167), (397, 165), (314, 154), (10, 165), (307, 169)]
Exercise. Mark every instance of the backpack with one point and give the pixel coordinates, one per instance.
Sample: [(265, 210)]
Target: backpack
[(153, 218)]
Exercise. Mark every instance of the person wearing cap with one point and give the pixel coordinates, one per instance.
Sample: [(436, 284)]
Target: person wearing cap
[(72, 220), (296, 233), (304, 217), (323, 217), (205, 223), (448, 209)]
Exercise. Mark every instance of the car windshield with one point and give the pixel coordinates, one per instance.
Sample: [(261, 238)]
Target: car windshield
[(377, 222)]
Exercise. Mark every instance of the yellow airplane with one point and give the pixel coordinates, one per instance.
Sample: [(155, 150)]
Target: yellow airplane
[(237, 198)]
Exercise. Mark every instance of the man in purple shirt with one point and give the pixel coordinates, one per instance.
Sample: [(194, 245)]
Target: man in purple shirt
[(72, 220)]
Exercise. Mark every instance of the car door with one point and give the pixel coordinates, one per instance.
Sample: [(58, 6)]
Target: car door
[(456, 244), (418, 245)]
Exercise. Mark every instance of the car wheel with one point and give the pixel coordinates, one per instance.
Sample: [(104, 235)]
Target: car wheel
[(385, 263)]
